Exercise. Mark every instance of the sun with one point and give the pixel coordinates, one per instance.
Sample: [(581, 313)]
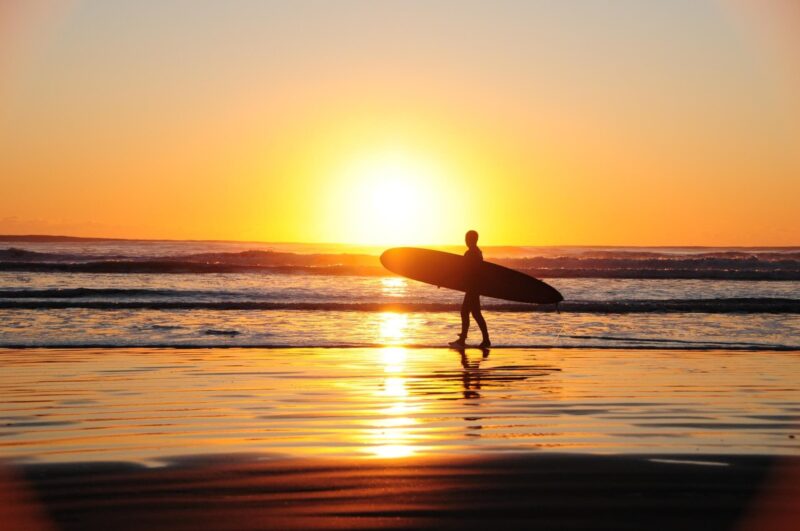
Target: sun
[(390, 198), (392, 193)]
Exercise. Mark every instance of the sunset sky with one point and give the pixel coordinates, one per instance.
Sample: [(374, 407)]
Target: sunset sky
[(630, 122)]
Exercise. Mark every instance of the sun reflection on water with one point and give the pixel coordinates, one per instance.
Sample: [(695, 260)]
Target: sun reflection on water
[(395, 387), (393, 286), (392, 328), (392, 402), (391, 435), (393, 359)]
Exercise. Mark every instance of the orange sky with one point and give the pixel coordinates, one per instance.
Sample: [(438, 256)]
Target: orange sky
[(624, 123)]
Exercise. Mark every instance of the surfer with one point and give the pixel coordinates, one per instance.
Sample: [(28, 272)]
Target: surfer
[(472, 298)]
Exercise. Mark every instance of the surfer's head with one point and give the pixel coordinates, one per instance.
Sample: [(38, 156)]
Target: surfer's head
[(471, 238)]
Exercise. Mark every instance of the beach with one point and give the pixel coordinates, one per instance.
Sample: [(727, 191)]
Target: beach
[(407, 265), (224, 385), (549, 491), (241, 438)]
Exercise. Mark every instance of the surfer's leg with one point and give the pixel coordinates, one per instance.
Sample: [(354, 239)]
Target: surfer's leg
[(465, 309), (462, 337), (476, 313)]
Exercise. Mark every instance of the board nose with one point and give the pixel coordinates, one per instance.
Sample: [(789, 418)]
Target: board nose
[(384, 259)]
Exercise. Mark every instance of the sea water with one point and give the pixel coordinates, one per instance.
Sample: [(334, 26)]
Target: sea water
[(171, 293)]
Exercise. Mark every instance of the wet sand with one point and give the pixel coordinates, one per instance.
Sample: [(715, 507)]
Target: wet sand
[(395, 437), (549, 491)]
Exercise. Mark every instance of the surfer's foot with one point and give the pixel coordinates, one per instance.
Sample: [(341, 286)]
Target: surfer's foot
[(485, 343), (458, 343)]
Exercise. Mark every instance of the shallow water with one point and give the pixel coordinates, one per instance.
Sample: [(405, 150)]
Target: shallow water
[(315, 328), (146, 405), (101, 309)]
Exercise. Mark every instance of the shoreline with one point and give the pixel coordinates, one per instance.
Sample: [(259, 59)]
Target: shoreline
[(712, 347)]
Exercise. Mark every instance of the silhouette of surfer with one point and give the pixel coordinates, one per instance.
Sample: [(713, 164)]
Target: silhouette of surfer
[(472, 298)]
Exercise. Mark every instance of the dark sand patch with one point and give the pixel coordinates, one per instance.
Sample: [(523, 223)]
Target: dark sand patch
[(546, 491)]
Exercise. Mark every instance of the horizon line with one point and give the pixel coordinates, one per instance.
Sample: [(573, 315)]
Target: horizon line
[(62, 237)]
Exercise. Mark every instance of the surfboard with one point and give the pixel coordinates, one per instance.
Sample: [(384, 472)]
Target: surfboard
[(449, 270)]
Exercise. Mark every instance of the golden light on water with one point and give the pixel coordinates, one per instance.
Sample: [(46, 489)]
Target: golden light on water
[(392, 328), (395, 438), (395, 387), (381, 403), (393, 286), (391, 436), (393, 359), (396, 451)]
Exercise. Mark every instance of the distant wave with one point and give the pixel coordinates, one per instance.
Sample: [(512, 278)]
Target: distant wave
[(731, 265), (75, 293), (178, 267), (250, 258), (731, 305)]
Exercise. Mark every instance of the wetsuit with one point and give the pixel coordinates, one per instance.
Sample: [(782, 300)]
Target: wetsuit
[(472, 298)]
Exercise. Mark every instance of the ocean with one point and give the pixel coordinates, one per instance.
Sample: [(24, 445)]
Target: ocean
[(61, 292)]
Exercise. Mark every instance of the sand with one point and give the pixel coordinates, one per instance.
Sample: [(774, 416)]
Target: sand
[(549, 491), (399, 438)]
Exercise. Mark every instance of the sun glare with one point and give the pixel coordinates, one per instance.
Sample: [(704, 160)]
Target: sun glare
[(390, 198), (394, 195), (391, 189)]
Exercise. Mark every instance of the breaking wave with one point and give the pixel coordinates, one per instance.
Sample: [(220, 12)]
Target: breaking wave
[(731, 265)]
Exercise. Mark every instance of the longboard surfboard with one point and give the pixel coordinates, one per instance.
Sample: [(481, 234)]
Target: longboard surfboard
[(449, 270)]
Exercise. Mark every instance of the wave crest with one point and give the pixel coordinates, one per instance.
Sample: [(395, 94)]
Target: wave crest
[(731, 265)]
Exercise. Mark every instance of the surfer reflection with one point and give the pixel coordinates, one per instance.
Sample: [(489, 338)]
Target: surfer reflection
[(472, 298), (471, 375)]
